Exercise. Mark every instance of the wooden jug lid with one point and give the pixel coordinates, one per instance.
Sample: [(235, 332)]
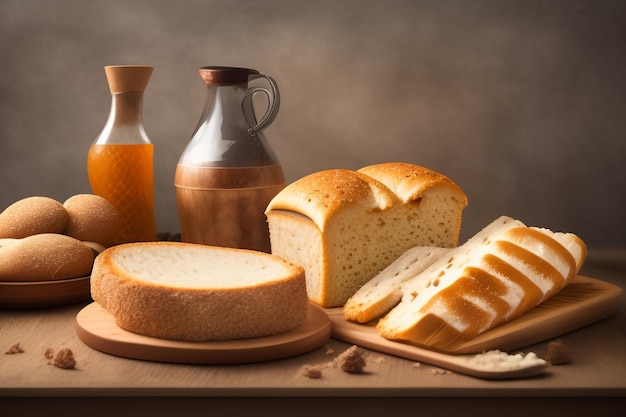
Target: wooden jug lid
[(128, 78)]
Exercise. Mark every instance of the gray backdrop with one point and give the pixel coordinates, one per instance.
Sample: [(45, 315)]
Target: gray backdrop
[(522, 103)]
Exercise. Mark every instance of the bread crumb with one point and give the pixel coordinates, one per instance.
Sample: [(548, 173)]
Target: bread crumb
[(557, 353), (439, 371), (351, 360), (313, 372), (65, 359), (381, 359), (329, 350), (49, 353), (417, 365), (16, 348)]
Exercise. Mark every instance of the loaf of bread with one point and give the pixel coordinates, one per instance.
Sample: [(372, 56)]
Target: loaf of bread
[(191, 292), (384, 291), (496, 276), (346, 226), (32, 215), (44, 257)]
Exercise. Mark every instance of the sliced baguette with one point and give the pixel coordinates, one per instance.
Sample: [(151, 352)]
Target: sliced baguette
[(483, 283), (367, 304)]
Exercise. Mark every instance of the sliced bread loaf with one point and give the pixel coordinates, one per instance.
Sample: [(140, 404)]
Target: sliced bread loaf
[(183, 291), (344, 227), (501, 273)]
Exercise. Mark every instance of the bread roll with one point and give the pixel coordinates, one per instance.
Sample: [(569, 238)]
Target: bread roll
[(44, 257), (504, 271), (92, 218), (191, 292), (32, 215), (345, 226)]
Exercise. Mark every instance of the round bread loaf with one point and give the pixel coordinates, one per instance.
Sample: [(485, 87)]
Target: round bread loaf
[(190, 292), (92, 218), (44, 257), (32, 215)]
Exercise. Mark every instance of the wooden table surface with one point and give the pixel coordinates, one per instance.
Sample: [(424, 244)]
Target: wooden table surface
[(103, 384)]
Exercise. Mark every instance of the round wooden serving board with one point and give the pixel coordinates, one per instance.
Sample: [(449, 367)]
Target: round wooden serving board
[(97, 329), (43, 294)]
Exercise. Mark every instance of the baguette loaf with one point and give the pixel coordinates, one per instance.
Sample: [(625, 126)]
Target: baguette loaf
[(502, 272), (345, 226), (190, 292)]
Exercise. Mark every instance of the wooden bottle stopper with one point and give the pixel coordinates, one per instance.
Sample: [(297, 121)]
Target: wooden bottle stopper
[(128, 78)]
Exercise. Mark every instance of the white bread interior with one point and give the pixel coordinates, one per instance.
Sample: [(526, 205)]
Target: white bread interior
[(384, 291), (182, 291), (499, 274), (344, 227)]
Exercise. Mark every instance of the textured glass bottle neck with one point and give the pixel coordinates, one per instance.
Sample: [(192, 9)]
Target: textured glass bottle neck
[(125, 122)]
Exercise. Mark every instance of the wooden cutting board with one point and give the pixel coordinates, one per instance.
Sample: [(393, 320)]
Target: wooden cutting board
[(584, 301), (97, 329)]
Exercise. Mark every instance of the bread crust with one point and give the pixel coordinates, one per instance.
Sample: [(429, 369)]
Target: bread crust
[(44, 257), (92, 218), (32, 215), (409, 181), (199, 314), (323, 194)]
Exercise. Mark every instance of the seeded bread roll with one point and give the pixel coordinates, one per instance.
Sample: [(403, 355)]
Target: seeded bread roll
[(32, 215), (92, 218), (196, 293), (44, 257), (345, 226), (495, 277)]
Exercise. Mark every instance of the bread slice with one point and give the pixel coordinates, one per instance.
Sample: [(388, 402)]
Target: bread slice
[(191, 292), (495, 277), (378, 296), (344, 227), (384, 291)]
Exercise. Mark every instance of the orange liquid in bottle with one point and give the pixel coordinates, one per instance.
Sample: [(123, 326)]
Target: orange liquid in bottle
[(123, 174)]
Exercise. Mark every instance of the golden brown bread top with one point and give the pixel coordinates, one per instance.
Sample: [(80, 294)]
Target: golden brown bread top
[(320, 195), (31, 216), (44, 257), (409, 182), (92, 218)]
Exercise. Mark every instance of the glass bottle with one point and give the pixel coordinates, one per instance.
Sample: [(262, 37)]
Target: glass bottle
[(120, 161), (228, 173)]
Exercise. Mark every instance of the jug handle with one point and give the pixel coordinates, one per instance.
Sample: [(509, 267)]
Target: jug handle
[(273, 104)]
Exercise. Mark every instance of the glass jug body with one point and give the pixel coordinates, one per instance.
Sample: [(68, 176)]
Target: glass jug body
[(228, 173)]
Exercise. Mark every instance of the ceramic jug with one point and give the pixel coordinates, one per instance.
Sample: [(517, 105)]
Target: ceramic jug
[(228, 173)]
